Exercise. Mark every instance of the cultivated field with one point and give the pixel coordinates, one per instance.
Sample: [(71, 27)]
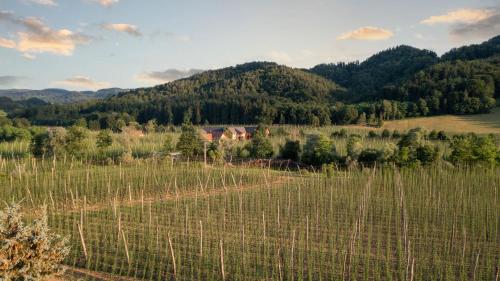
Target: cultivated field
[(154, 220), (481, 123)]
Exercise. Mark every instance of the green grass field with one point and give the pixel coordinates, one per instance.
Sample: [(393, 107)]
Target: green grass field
[(481, 123)]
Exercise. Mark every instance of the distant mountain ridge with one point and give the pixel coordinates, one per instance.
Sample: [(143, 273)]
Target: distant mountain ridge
[(59, 96)]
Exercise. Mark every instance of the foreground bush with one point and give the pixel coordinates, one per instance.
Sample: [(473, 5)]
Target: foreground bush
[(29, 252)]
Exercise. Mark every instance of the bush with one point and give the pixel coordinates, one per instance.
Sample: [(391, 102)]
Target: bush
[(370, 156), (48, 143), (74, 141), (396, 134), (291, 150), (354, 146), (104, 139), (318, 150), (433, 135), (339, 134), (386, 134), (168, 144), (260, 146), (472, 149), (372, 134), (442, 136), (427, 154), (29, 252), (190, 143)]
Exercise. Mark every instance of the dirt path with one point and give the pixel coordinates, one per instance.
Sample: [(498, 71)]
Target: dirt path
[(169, 197)]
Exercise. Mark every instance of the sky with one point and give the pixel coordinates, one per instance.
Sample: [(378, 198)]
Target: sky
[(94, 44)]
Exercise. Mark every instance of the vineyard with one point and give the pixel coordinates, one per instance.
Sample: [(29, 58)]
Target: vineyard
[(158, 220)]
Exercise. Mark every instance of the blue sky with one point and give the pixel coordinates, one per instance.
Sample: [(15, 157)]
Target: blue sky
[(92, 44)]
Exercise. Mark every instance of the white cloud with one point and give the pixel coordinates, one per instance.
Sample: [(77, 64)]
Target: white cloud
[(166, 76), (106, 3), (44, 2), (460, 16), (123, 27), (82, 82), (29, 56), (279, 57), (39, 38), (7, 43), (367, 33)]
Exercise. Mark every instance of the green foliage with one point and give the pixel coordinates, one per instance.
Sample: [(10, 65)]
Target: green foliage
[(471, 149), (190, 143), (342, 133), (372, 134), (104, 139), (291, 150), (413, 150), (74, 141), (29, 252), (168, 144), (386, 134), (215, 152), (319, 150), (260, 146), (354, 146), (370, 156), (48, 143), (9, 133)]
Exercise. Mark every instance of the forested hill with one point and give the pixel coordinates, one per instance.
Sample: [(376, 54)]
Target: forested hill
[(366, 79), (248, 93), (394, 84)]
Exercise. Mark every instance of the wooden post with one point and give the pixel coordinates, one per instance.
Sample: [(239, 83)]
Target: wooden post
[(82, 240), (126, 247), (222, 261), (172, 254)]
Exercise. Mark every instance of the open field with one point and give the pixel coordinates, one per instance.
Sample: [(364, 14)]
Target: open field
[(236, 223), (480, 123)]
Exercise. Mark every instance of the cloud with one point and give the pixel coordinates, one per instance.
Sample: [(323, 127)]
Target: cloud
[(9, 80), (82, 82), (367, 33), (279, 57), (468, 16), (106, 3), (36, 37), (123, 27), (7, 43), (44, 2), (166, 76), (29, 56), (482, 29)]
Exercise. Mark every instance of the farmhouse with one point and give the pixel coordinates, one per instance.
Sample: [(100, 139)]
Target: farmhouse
[(212, 134)]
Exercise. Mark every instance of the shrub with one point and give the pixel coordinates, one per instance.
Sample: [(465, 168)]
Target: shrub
[(427, 154), (386, 134), (260, 146), (291, 150), (471, 149), (372, 134), (396, 134), (433, 135), (104, 139), (354, 146), (48, 143), (318, 150), (168, 144), (370, 156), (339, 134), (190, 143), (29, 252), (442, 136), (74, 141)]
